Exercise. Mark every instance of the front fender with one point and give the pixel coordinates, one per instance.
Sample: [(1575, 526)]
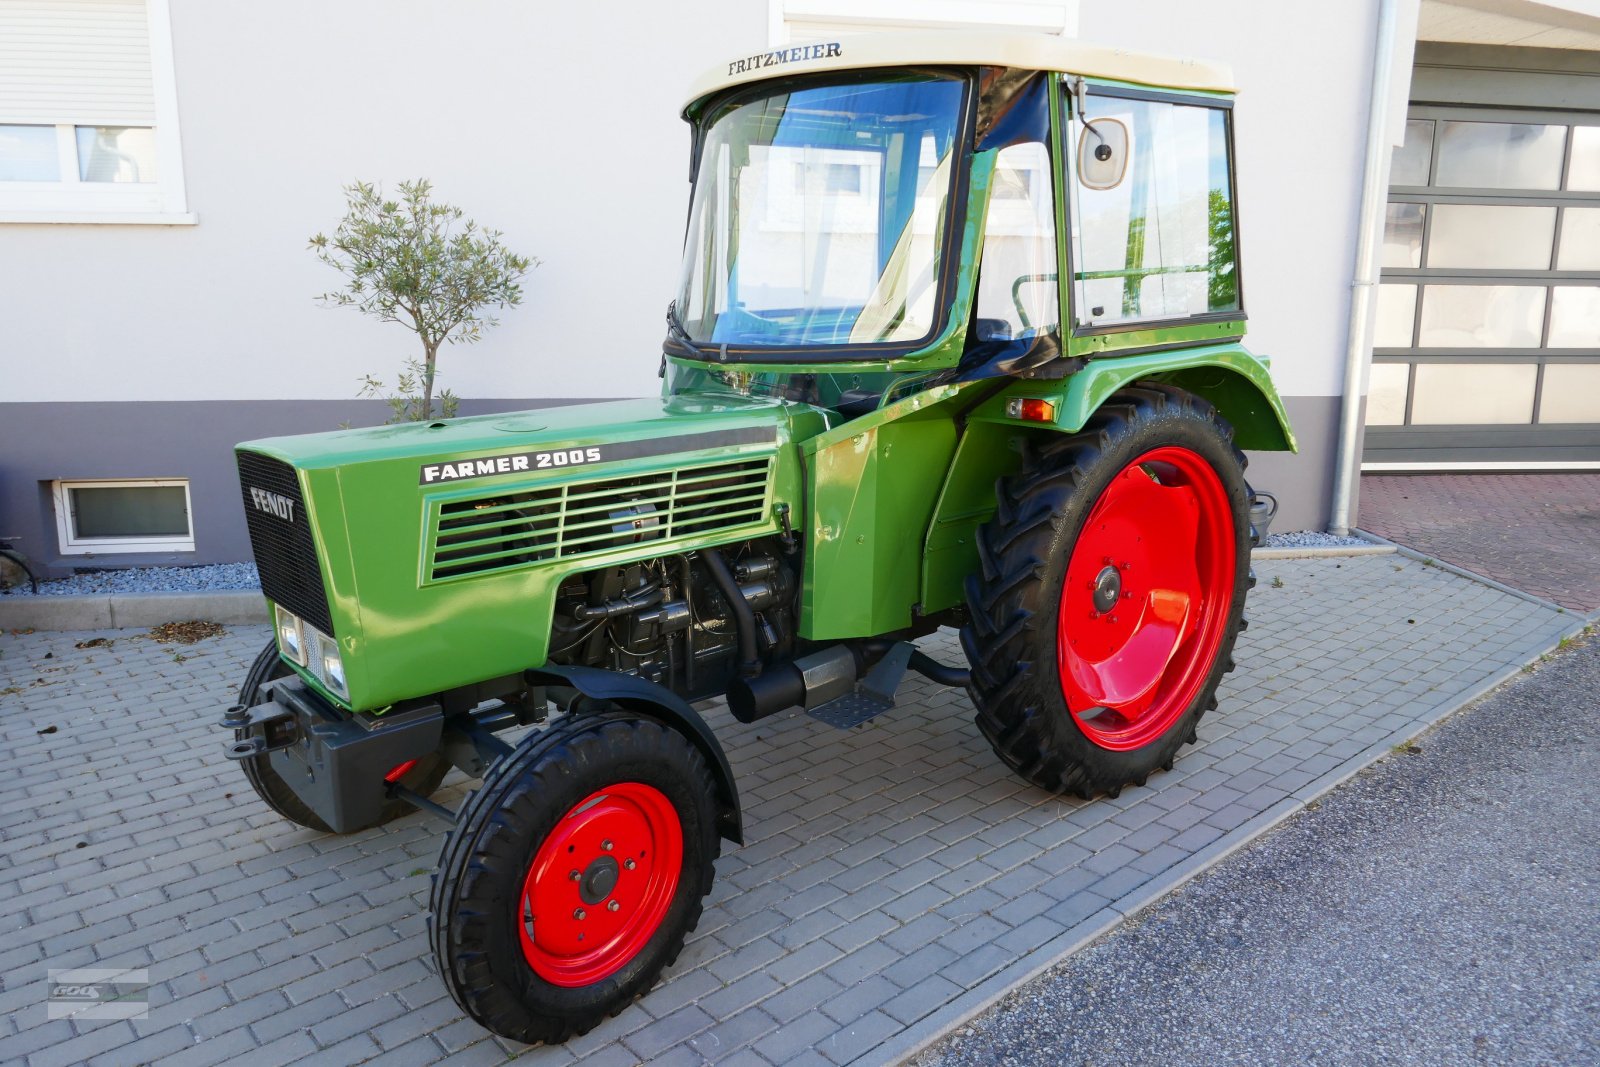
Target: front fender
[(647, 698)]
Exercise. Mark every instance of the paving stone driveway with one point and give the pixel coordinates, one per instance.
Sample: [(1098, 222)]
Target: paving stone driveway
[(893, 873), (1536, 532)]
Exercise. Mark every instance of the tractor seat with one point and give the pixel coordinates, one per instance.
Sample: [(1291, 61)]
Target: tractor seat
[(854, 403)]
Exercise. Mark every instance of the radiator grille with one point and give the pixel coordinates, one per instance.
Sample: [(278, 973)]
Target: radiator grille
[(504, 530), (285, 553)]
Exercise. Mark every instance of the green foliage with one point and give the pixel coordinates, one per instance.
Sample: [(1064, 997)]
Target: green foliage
[(416, 262), (1223, 289)]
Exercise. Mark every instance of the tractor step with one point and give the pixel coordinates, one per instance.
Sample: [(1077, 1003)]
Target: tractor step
[(873, 695)]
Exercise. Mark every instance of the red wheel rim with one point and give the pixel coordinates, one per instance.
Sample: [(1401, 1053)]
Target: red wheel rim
[(600, 884), (1146, 596)]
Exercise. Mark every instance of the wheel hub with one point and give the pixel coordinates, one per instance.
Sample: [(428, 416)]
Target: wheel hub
[(1133, 655), (598, 880), (1107, 588), (600, 884)]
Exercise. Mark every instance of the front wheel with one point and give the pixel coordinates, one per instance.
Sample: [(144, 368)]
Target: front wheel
[(574, 875), (1112, 590)]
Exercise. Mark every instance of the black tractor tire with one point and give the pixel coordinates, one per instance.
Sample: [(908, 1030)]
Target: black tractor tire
[(1011, 636), (477, 908), (269, 785)]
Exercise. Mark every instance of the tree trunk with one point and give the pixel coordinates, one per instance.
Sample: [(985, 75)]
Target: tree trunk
[(429, 361)]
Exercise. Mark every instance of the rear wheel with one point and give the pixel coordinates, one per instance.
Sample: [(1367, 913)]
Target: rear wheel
[(1112, 590), (574, 875), (269, 785)]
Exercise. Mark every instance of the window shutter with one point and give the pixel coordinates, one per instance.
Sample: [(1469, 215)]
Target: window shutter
[(84, 62)]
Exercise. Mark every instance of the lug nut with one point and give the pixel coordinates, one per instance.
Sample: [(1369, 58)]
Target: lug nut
[(612, 905), (606, 845), (628, 863), (575, 876), (580, 914)]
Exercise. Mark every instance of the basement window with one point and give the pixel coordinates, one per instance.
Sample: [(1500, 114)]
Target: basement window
[(137, 515)]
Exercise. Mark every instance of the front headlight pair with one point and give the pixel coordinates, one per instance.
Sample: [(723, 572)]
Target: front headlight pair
[(312, 649)]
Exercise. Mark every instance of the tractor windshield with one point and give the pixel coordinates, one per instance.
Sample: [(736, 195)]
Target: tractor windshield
[(820, 215)]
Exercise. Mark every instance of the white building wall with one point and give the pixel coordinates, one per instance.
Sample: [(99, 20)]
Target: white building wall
[(555, 123), (559, 125)]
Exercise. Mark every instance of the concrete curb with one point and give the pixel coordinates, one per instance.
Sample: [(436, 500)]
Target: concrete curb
[(113, 611), (1329, 552), (901, 1048)]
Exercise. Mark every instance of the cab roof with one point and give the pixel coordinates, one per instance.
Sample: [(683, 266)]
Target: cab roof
[(965, 48)]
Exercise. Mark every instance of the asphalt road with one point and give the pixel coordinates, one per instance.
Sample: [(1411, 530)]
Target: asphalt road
[(1443, 907)]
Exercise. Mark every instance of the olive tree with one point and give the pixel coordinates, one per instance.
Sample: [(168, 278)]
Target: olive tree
[(414, 261)]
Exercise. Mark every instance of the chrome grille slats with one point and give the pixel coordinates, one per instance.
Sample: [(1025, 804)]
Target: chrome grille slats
[(499, 530)]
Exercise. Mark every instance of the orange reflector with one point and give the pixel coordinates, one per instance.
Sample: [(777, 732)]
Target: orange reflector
[(1031, 409), (400, 771)]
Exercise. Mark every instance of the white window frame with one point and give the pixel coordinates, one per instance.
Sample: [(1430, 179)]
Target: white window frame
[(163, 202), (74, 545)]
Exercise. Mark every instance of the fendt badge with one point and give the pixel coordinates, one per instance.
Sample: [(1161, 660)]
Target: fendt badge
[(273, 503)]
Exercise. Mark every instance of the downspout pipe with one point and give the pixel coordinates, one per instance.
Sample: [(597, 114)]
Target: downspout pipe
[(1364, 287)]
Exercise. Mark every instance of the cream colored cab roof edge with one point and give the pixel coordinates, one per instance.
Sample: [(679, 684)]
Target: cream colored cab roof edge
[(965, 48)]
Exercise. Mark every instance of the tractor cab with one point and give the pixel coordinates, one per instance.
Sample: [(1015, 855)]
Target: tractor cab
[(878, 214)]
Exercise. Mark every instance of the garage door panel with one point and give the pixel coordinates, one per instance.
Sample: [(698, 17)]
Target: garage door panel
[(1488, 318)]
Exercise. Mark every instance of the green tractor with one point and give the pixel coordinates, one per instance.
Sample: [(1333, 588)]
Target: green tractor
[(956, 342)]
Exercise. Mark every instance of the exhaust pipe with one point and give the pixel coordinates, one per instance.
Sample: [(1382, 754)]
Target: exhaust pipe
[(808, 681)]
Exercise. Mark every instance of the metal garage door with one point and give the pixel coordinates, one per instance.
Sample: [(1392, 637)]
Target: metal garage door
[(1487, 345)]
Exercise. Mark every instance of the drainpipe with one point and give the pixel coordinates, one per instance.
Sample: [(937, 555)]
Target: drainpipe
[(1374, 198)]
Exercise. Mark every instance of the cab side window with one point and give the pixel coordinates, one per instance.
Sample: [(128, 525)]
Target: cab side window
[(1017, 283), (1152, 240)]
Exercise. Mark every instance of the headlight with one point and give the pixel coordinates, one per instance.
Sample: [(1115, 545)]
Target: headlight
[(333, 668), (291, 642)]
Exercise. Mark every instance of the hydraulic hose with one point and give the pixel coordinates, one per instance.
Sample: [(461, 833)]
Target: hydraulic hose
[(744, 620)]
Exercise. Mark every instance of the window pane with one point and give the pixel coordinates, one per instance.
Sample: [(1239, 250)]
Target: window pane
[(1580, 239), (1411, 159), (1500, 155), (1451, 394), (130, 511), (1402, 235), (1397, 312), (818, 215), (1481, 316), (1159, 244), (1386, 394), (1571, 393), (1017, 283), (1584, 170), (28, 154), (1575, 316), (1503, 238), (116, 154)]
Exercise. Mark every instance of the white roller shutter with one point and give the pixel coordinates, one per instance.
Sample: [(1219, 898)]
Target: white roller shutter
[(84, 62)]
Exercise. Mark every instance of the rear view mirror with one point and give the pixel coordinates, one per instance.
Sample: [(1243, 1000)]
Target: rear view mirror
[(1102, 154)]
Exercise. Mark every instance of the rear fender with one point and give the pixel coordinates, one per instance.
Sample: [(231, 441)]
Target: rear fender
[(1235, 382), (993, 442), (647, 698)]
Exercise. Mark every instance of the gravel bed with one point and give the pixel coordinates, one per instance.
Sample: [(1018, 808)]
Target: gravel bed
[(1311, 539), (217, 576)]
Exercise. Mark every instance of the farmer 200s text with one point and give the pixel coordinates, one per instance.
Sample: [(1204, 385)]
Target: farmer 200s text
[(956, 341)]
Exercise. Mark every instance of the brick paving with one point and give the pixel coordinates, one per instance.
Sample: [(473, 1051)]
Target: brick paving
[(1536, 532), (891, 870)]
